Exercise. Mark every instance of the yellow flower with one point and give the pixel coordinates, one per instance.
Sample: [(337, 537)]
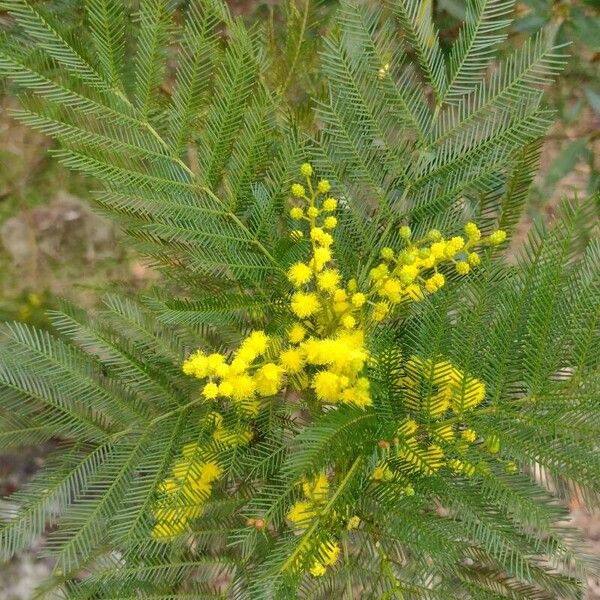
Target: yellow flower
[(304, 305), (292, 360), (497, 237), (474, 259), (301, 512), (408, 274), (330, 223), (317, 488), (321, 256), (268, 379), (435, 282), (226, 388), (210, 391), (298, 190), (244, 388), (472, 232), (323, 186), (340, 295), (317, 569), (296, 213), (306, 169), (312, 211), (405, 232), (327, 386), (387, 253), (297, 333), (434, 235), (348, 321), (469, 435), (299, 274), (438, 249), (329, 204), (214, 362), (392, 289), (462, 267), (380, 311), (328, 279), (358, 299), (353, 523), (196, 365)]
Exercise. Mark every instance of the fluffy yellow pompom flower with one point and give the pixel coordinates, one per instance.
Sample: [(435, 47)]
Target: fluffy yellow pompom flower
[(254, 345), (328, 280), (358, 299), (497, 237), (298, 190), (317, 488), (313, 212), (408, 273), (330, 222), (304, 305), (321, 257), (210, 391), (435, 282), (472, 232), (405, 232), (462, 267), (329, 204), (327, 386), (196, 365), (244, 388), (474, 259), (469, 435), (301, 512), (348, 321), (380, 311), (292, 360), (306, 169), (392, 289), (226, 388), (296, 213), (317, 569), (299, 274), (297, 333), (268, 379), (323, 186), (387, 253)]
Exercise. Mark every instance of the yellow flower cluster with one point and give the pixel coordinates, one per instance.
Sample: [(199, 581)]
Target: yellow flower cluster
[(182, 495), (413, 272), (439, 398), (315, 493)]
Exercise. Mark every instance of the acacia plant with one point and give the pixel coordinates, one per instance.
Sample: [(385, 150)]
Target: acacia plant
[(342, 386)]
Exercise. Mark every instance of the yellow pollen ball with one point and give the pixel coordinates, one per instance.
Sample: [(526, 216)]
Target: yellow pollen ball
[(304, 305), (296, 213), (462, 267), (358, 299), (348, 321), (306, 169), (330, 204), (296, 333), (474, 259), (323, 186), (330, 222), (312, 211), (292, 360), (298, 190), (497, 237), (299, 274), (210, 391), (328, 280)]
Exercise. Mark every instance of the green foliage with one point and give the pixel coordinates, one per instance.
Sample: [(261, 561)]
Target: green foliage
[(185, 121)]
